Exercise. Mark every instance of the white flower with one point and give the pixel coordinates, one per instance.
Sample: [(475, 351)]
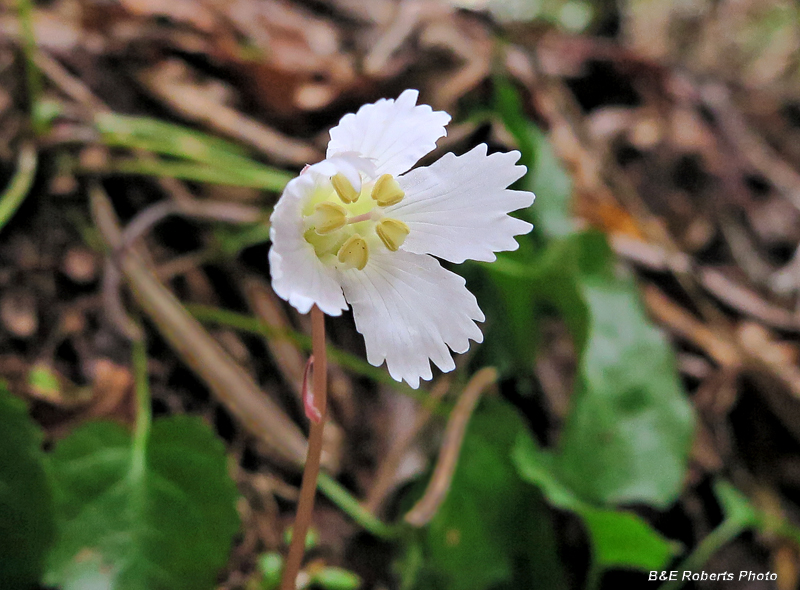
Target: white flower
[(359, 228)]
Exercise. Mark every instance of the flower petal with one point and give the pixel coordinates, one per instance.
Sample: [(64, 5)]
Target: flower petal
[(348, 163), (298, 276), (395, 134), (409, 310), (456, 208)]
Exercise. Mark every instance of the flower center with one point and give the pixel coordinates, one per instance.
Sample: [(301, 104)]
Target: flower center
[(343, 225)]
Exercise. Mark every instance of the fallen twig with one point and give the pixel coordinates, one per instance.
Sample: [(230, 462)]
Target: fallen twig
[(258, 414), (425, 509)]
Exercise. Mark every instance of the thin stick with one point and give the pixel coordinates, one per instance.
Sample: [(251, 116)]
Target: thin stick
[(425, 509), (385, 478), (20, 184), (308, 488)]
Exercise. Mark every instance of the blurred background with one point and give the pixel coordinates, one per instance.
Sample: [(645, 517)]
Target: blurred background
[(635, 406)]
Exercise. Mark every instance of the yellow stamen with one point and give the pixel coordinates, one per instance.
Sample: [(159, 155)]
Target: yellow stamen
[(392, 233), (354, 252), (324, 246), (328, 217), (387, 191), (344, 189)]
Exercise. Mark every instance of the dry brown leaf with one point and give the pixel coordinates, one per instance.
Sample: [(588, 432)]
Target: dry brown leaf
[(171, 81), (297, 60), (112, 386), (181, 11)]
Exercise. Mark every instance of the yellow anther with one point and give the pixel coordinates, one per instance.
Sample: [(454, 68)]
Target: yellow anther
[(392, 233), (324, 246), (386, 191), (344, 189), (328, 217), (354, 252)]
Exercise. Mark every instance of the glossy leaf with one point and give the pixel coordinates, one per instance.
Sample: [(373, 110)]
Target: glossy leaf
[(546, 177), (167, 526), (735, 505), (511, 302), (26, 513), (552, 186), (623, 539), (491, 521), (618, 538), (629, 431), (768, 520), (512, 316)]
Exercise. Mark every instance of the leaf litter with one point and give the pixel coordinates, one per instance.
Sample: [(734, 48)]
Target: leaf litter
[(670, 129)]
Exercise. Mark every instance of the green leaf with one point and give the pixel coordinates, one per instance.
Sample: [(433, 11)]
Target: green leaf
[(222, 162), (508, 104), (491, 521), (623, 539), (20, 184), (741, 512), (167, 526), (552, 186), (44, 381), (735, 505), (232, 240), (168, 139), (336, 578), (511, 316), (512, 300), (628, 434), (546, 177), (271, 566), (525, 281), (618, 538), (554, 281), (26, 511)]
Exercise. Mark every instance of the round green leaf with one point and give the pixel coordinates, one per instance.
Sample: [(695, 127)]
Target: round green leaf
[(167, 526), (628, 436), (490, 522), (630, 428), (26, 513), (618, 538)]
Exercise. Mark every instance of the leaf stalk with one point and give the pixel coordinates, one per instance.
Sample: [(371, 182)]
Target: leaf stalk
[(308, 487)]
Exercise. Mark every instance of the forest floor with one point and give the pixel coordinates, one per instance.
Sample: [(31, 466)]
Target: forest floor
[(678, 125)]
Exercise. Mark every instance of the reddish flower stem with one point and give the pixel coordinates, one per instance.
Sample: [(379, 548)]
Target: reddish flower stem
[(308, 487)]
